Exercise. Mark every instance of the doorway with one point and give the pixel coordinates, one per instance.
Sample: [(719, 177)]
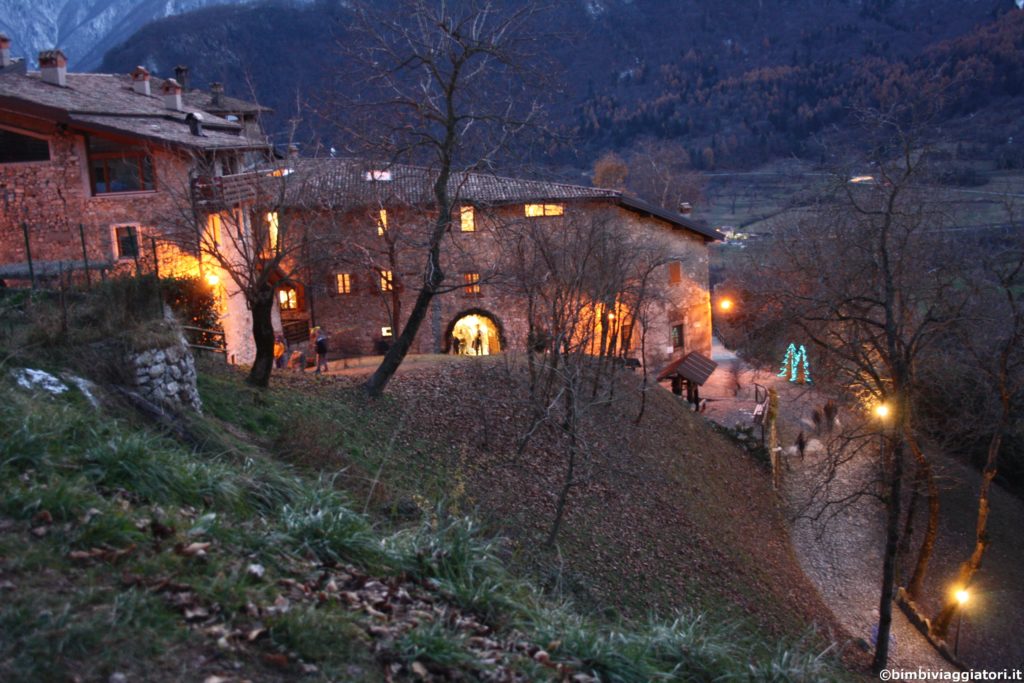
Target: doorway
[(474, 333)]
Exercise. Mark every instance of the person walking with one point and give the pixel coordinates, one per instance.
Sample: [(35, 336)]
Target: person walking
[(321, 350)]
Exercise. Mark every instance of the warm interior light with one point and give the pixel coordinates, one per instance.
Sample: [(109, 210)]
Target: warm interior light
[(962, 596), (212, 279), (882, 410)]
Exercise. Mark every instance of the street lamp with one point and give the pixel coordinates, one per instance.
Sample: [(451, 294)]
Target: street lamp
[(882, 410), (961, 598), (725, 305)]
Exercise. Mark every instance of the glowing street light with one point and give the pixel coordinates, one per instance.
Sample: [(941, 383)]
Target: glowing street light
[(212, 279), (882, 410), (962, 596), (725, 305)]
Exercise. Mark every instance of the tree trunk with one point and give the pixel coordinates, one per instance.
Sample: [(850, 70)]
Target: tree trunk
[(924, 553), (892, 537), (570, 468), (967, 570), (263, 334)]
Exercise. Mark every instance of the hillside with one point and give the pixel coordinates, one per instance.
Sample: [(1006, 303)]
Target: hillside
[(737, 83), (302, 532)]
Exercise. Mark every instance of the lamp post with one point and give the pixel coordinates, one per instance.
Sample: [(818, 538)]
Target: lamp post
[(961, 598)]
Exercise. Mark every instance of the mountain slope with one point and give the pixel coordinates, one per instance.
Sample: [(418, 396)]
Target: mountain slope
[(84, 29), (737, 82)]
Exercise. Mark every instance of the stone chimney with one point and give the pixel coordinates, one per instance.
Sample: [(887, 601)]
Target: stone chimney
[(172, 94), (181, 75), (685, 208), (217, 94), (5, 51), (140, 80), (53, 67)]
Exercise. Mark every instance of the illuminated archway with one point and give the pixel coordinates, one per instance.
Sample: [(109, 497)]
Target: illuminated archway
[(474, 332)]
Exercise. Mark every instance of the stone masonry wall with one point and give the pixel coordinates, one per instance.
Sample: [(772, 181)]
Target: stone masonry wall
[(167, 377)]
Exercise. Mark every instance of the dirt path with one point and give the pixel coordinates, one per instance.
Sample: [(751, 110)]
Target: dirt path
[(840, 549)]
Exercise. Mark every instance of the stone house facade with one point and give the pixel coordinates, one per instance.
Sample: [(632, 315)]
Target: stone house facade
[(91, 165), (372, 267)]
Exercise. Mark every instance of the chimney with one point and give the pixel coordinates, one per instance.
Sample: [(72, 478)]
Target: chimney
[(181, 75), (140, 80), (195, 123), (685, 208), (293, 151), (5, 51), (217, 94), (53, 67), (172, 94)]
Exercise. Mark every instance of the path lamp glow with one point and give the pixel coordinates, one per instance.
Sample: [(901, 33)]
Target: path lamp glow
[(962, 596), (725, 305)]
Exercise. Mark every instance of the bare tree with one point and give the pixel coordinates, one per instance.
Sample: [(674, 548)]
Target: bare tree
[(862, 279), (441, 84), (992, 345), (583, 314)]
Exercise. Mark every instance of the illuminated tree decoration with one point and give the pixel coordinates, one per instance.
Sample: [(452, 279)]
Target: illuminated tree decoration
[(794, 362)]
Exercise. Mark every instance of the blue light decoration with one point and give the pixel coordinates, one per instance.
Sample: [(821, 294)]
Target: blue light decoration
[(795, 360)]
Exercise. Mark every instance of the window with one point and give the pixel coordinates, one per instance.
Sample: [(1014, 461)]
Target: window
[(126, 238), (377, 176), (16, 148), (288, 298), (382, 222), (535, 210), (386, 331), (467, 219), (472, 282), (677, 336), (386, 281), (114, 167), (273, 225), (675, 272), (344, 283)]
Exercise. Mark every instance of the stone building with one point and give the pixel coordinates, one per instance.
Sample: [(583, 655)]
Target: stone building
[(91, 164), (365, 280)]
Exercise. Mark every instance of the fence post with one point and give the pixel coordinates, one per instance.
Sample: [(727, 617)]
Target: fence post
[(85, 257), (28, 254)]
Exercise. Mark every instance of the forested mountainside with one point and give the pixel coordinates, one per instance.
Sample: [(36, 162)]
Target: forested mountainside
[(737, 82)]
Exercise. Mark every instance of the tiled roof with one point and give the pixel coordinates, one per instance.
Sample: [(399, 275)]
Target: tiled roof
[(344, 180), (108, 102)]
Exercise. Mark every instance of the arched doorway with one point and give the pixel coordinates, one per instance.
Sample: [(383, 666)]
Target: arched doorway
[(474, 332)]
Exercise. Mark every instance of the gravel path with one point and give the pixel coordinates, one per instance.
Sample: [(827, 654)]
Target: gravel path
[(840, 547)]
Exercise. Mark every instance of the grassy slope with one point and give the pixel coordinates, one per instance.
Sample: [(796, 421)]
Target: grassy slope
[(99, 515)]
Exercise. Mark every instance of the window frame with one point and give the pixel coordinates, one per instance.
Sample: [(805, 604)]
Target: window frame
[(471, 284), (32, 136), (675, 272), (470, 211), (136, 234), (343, 284), (144, 161), (387, 280), (677, 333), (538, 210), (287, 298)]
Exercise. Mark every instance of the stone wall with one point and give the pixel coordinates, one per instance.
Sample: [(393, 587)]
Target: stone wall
[(167, 377), (354, 320)]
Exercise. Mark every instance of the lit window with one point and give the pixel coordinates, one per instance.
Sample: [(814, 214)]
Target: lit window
[(16, 148), (535, 210), (114, 167), (675, 272), (467, 219), (382, 221), (386, 281), (386, 331), (344, 281), (127, 241), (378, 176), (472, 282), (288, 299), (677, 336), (272, 230)]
